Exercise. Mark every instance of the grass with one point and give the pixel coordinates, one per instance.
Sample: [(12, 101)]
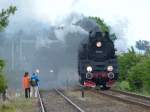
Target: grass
[(7, 108), (19, 104)]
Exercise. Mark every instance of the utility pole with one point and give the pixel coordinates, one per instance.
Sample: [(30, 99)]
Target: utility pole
[(20, 50), (12, 55)]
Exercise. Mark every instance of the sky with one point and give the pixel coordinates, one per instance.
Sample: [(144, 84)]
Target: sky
[(131, 16)]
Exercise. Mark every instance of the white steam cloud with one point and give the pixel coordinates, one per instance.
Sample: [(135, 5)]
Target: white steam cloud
[(43, 34)]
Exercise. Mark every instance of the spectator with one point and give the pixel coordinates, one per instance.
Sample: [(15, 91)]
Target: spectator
[(34, 85), (26, 84)]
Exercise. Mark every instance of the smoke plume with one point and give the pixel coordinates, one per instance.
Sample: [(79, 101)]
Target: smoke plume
[(47, 40)]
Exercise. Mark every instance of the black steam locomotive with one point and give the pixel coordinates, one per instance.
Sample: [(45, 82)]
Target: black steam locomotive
[(97, 62)]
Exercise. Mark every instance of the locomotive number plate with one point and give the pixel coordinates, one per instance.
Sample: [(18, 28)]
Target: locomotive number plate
[(99, 51)]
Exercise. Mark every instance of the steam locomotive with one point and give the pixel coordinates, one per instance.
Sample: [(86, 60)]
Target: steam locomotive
[(97, 62)]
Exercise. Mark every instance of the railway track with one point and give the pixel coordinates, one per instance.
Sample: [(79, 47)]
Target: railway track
[(126, 97), (94, 101), (56, 101)]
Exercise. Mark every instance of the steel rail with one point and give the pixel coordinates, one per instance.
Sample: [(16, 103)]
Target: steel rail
[(124, 99), (68, 100), (131, 94), (41, 102)]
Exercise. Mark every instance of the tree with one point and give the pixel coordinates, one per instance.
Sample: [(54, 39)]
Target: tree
[(104, 27), (2, 78), (4, 20), (142, 44), (127, 61), (2, 64), (4, 16), (139, 78)]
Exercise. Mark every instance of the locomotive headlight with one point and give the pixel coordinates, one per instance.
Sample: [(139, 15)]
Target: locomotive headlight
[(110, 68), (98, 44), (89, 68)]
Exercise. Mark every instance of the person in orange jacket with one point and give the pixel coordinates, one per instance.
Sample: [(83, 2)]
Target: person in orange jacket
[(26, 84)]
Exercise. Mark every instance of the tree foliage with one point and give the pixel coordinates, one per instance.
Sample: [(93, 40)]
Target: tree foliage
[(142, 44), (139, 76), (4, 20), (2, 78), (3, 83), (2, 64), (104, 27), (127, 61), (134, 69), (4, 16)]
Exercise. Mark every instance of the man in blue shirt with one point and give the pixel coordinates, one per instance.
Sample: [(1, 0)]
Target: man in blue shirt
[(34, 85)]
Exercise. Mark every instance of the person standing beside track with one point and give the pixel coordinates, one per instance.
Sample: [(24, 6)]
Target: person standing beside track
[(34, 85), (26, 84)]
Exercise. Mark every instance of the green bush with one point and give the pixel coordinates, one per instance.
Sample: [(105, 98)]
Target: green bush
[(123, 85), (3, 84), (2, 78), (139, 76), (126, 62)]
